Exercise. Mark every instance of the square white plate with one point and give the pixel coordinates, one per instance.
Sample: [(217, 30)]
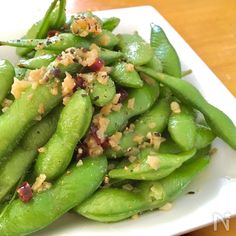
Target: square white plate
[(215, 188)]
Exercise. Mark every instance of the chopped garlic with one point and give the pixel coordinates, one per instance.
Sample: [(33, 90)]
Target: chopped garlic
[(153, 162), (174, 106)]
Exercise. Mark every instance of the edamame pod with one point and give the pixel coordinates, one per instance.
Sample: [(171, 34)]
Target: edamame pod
[(218, 121), (56, 43), (102, 94), (7, 73), (110, 23), (154, 120), (77, 184), (53, 19), (37, 62), (124, 74), (105, 39), (113, 204), (138, 101), (135, 49), (151, 165), (204, 136), (109, 56), (24, 111), (155, 64), (18, 162), (182, 128), (165, 51), (169, 146), (72, 125)]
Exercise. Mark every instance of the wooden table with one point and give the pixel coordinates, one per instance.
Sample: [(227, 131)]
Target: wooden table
[(209, 27)]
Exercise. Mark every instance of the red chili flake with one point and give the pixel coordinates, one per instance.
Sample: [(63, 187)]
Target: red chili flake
[(52, 33), (105, 144), (97, 65), (93, 132), (123, 94), (25, 192), (80, 82)]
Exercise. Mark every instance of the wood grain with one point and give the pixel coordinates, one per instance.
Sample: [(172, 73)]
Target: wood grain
[(209, 27)]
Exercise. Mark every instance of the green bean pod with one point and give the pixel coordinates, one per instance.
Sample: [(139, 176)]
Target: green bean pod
[(23, 113), (105, 39), (56, 43), (113, 204), (72, 125), (110, 23), (182, 128), (37, 62), (102, 94), (18, 162), (7, 74), (154, 120), (218, 121), (53, 19), (143, 99), (135, 49), (151, 165), (77, 184), (125, 76), (165, 52)]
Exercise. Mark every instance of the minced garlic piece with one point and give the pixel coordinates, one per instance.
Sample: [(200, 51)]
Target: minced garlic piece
[(166, 207), (153, 162), (6, 103), (131, 103), (68, 85), (132, 158), (39, 182), (104, 40), (18, 87), (116, 98), (137, 168), (41, 150), (41, 108), (174, 106), (79, 163), (36, 75), (138, 139), (129, 67), (82, 26), (106, 180), (102, 77), (155, 140), (93, 148), (128, 187), (116, 107), (66, 100), (102, 127), (114, 140)]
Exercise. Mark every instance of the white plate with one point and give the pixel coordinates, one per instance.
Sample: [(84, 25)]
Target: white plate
[(215, 188)]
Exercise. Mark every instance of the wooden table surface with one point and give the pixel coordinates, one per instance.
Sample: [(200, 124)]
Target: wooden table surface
[(209, 27)]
